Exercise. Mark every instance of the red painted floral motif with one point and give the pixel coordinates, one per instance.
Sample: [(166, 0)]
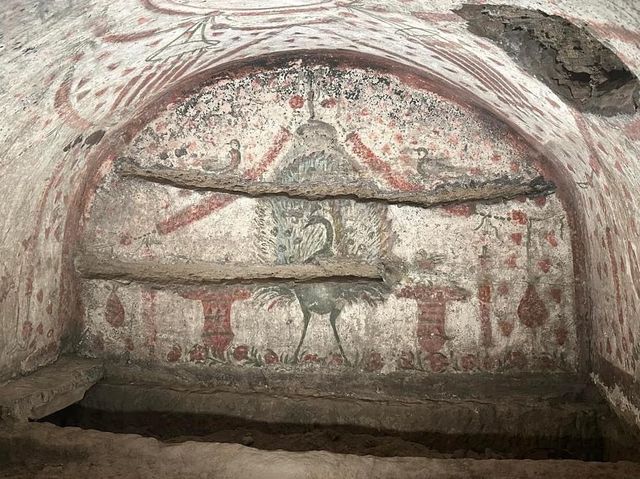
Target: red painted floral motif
[(175, 354), (532, 310), (270, 357), (198, 353), (114, 311), (374, 362), (240, 353)]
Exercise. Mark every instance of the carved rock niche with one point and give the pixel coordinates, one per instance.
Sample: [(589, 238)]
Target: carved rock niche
[(313, 216)]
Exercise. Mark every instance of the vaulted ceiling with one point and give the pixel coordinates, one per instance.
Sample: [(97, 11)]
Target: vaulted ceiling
[(79, 78)]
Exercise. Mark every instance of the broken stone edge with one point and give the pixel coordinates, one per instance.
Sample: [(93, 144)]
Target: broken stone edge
[(502, 188), (49, 389)]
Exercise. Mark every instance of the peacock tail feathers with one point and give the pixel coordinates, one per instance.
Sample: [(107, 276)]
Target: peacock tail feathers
[(366, 230), (282, 236), (370, 293), (294, 231), (273, 295), (361, 230)]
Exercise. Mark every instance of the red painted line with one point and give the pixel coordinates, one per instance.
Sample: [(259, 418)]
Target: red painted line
[(607, 29), (185, 67), (130, 37), (170, 72), (489, 78), (178, 67), (141, 85), (277, 11), (194, 213), (634, 266), (494, 74), (158, 80), (481, 75), (379, 166), (62, 105), (149, 5), (632, 129), (484, 295), (125, 91), (615, 274), (281, 139), (594, 161)]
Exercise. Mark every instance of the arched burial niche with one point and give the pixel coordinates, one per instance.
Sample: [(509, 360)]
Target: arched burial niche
[(310, 218)]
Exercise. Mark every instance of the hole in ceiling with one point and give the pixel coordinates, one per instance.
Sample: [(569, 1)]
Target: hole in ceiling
[(566, 57)]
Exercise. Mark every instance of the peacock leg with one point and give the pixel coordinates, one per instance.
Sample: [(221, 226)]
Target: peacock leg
[(306, 316), (332, 319)]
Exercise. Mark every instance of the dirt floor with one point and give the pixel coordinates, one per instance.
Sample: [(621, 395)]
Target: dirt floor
[(42, 450)]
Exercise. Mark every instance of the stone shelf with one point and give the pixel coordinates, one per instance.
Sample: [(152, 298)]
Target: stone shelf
[(49, 389), (94, 267), (444, 194)]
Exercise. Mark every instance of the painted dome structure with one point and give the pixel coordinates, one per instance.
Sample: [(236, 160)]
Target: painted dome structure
[(320, 237)]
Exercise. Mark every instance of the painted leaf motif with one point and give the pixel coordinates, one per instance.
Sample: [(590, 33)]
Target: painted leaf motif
[(114, 311), (532, 310)]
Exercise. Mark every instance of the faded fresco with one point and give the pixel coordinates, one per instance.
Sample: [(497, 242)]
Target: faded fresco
[(482, 286), (81, 70)]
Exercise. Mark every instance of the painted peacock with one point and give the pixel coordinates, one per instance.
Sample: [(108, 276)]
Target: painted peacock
[(293, 231)]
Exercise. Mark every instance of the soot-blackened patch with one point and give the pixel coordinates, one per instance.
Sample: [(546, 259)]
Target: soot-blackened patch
[(571, 61), (94, 138), (73, 143)]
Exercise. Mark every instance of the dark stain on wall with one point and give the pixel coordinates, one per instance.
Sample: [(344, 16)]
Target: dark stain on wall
[(94, 138)]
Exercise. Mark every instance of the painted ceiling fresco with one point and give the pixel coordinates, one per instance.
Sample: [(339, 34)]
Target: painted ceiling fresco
[(77, 75)]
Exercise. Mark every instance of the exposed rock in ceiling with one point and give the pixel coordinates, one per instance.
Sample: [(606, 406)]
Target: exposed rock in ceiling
[(571, 61)]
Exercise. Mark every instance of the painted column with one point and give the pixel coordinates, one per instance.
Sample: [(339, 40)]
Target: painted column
[(216, 307), (432, 308), (484, 296)]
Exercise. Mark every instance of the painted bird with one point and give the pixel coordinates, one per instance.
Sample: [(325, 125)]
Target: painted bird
[(234, 158), (292, 231), (326, 298)]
